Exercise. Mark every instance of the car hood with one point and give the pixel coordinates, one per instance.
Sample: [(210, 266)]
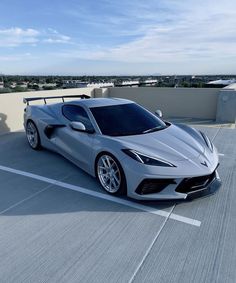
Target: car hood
[(172, 144)]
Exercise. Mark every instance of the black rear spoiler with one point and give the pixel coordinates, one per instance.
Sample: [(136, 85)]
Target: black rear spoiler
[(27, 100)]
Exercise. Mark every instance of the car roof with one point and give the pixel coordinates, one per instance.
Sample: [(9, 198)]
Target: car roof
[(99, 102)]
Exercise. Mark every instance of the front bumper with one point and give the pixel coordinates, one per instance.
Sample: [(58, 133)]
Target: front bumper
[(172, 189), (185, 184), (211, 188)]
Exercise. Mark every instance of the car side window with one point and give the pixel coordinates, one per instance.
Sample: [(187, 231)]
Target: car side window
[(77, 114)]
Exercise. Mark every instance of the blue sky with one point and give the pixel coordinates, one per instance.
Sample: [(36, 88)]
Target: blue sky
[(104, 37)]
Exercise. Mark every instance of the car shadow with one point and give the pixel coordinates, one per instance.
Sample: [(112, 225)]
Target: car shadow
[(15, 153)]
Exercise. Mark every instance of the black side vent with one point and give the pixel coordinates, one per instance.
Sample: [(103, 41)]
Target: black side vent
[(49, 129)]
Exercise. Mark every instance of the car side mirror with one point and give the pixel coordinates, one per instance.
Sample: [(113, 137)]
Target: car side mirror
[(158, 112), (80, 127)]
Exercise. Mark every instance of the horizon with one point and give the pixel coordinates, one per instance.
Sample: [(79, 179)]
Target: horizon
[(85, 38), (119, 75)]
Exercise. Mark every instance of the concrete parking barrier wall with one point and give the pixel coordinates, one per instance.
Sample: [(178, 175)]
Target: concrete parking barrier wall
[(174, 102), (12, 106)]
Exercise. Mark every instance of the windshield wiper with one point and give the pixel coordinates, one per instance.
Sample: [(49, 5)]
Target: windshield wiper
[(153, 130)]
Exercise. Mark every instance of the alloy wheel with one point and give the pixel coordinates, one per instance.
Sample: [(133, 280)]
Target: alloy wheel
[(109, 174)]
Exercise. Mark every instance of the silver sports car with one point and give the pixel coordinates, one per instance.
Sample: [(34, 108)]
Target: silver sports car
[(130, 150)]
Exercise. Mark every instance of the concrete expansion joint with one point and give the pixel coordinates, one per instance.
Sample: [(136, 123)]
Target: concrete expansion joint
[(217, 132), (30, 197), (24, 200), (139, 267)]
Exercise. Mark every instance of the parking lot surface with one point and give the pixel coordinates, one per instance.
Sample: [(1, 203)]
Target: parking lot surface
[(57, 224)]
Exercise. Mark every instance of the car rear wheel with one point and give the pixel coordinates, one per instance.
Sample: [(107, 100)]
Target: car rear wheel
[(110, 174), (33, 135)]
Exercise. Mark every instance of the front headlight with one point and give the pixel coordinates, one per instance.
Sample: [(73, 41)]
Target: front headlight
[(207, 141), (145, 159)]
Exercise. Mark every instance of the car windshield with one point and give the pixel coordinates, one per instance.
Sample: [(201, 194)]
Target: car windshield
[(126, 119)]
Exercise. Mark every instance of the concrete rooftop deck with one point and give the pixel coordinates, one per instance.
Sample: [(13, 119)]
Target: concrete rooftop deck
[(66, 231)]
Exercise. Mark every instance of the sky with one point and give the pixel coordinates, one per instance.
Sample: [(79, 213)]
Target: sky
[(117, 37)]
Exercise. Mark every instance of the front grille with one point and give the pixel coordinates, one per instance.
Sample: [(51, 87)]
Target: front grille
[(194, 184), (151, 186)]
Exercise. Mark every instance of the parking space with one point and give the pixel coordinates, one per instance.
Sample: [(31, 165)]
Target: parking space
[(206, 254), (58, 225), (64, 235)]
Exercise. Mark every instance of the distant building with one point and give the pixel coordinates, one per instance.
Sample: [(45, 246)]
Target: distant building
[(47, 85), (128, 83), (21, 85), (149, 82), (99, 85), (79, 84), (222, 82), (73, 84), (1, 83), (231, 87)]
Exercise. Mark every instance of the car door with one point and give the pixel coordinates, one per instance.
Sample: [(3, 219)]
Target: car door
[(76, 145)]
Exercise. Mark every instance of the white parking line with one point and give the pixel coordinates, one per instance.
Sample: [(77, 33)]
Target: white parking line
[(105, 197)]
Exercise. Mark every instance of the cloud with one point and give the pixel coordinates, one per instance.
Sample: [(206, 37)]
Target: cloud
[(163, 35), (19, 32), (167, 32), (121, 18), (15, 36), (16, 57), (55, 37)]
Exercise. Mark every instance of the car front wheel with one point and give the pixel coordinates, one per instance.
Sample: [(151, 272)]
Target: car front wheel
[(110, 174)]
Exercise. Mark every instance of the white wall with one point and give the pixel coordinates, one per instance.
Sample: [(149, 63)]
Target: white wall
[(174, 102), (12, 106)]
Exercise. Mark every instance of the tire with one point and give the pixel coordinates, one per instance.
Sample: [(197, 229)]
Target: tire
[(32, 135), (110, 174)]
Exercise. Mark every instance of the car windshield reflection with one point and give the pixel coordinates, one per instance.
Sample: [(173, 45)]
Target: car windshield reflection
[(126, 119)]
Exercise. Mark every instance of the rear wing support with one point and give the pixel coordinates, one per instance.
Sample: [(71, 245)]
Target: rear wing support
[(27, 100)]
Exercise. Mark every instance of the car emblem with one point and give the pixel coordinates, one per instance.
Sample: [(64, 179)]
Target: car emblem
[(204, 163)]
